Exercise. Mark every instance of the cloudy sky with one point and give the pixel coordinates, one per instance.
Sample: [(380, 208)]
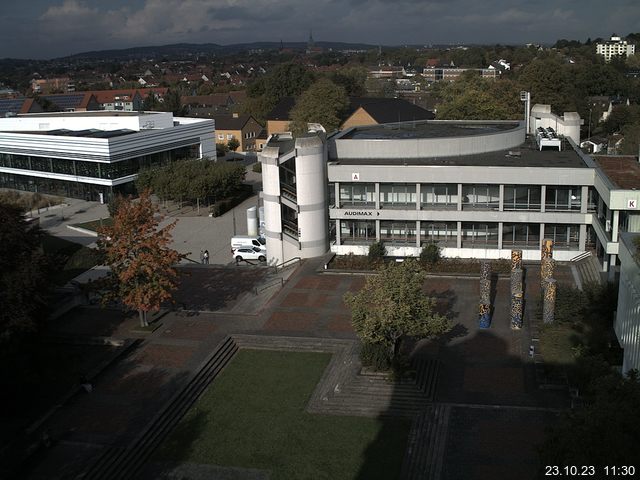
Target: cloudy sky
[(53, 28)]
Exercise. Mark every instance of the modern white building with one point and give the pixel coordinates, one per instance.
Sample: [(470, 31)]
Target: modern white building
[(93, 155), (627, 321), (476, 188), (615, 47)]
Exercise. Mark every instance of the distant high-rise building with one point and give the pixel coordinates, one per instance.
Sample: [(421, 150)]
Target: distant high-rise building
[(615, 47)]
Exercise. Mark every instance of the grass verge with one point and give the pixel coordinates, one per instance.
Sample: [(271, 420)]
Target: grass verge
[(69, 259), (94, 225), (253, 417)]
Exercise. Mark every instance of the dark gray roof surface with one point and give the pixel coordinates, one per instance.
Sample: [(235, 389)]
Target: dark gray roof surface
[(527, 155), (426, 129)]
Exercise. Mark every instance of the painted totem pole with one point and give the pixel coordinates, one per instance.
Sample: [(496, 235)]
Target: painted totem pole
[(484, 309)]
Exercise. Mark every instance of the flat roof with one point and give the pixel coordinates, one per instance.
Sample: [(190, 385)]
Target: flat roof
[(526, 155), (623, 171), (89, 113), (428, 129), (90, 133)]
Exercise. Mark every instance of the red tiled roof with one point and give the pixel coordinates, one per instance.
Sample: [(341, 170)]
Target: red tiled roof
[(624, 171)]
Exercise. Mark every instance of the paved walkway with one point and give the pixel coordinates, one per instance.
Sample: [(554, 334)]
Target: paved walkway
[(492, 414)]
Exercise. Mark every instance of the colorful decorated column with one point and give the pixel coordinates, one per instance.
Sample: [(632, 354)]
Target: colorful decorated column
[(484, 309), (516, 298), (516, 310), (547, 248), (547, 268), (549, 302), (516, 259)]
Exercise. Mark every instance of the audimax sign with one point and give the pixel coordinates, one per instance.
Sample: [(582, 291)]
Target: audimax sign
[(361, 213)]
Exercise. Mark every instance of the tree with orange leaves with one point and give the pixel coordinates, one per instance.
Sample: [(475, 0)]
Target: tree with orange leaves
[(143, 273)]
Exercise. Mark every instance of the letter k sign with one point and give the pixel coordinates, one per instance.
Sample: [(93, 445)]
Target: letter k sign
[(632, 204)]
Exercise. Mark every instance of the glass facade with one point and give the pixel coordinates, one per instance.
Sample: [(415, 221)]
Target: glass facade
[(522, 197), (357, 232), (439, 196), (521, 235), (110, 171), (564, 236), (398, 195), (444, 234), (563, 198), (357, 195), (480, 197), (398, 233), (479, 235)]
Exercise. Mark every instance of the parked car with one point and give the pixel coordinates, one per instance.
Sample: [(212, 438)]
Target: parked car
[(249, 253), (244, 241)]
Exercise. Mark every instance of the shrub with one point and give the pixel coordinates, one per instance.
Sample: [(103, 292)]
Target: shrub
[(226, 204), (257, 167), (114, 204), (377, 251), (430, 254), (376, 356)]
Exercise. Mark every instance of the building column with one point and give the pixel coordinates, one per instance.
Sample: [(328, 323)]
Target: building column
[(500, 203), (615, 224), (584, 199), (541, 238), (338, 239), (459, 237), (377, 229), (336, 194), (459, 201), (582, 239), (612, 267), (377, 196), (418, 237), (500, 235), (417, 196), (543, 197)]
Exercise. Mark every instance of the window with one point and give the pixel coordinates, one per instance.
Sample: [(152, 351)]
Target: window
[(397, 195), (229, 136), (480, 197), (521, 235), (443, 233), (565, 237), (439, 196), (398, 233), (563, 198), (522, 197), (220, 136), (357, 195), (479, 235), (357, 232)]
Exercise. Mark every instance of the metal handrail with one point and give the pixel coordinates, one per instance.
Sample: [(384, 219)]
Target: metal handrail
[(257, 290), (287, 263)]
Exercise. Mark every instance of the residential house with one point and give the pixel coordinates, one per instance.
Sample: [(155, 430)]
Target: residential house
[(244, 128), (52, 85), (375, 111)]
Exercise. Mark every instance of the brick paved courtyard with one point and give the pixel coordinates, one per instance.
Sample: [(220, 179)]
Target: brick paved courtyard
[(479, 370)]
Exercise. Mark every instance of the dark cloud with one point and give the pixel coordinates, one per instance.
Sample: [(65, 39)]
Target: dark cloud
[(46, 28)]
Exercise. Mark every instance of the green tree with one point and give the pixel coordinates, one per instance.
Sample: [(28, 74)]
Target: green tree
[(377, 252), (430, 254), (233, 144), (22, 275), (550, 82), (143, 273), (392, 305), (324, 102), (285, 80), (474, 98), (605, 432)]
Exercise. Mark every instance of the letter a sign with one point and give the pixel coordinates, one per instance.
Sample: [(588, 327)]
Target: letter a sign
[(355, 177), (632, 204)]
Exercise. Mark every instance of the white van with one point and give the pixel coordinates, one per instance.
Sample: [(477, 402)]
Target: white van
[(240, 241)]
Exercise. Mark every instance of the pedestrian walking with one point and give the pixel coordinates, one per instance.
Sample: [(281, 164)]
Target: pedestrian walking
[(201, 256), (205, 257)]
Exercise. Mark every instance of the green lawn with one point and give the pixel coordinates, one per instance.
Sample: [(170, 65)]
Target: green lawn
[(558, 343), (253, 417), (94, 225), (70, 259)]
